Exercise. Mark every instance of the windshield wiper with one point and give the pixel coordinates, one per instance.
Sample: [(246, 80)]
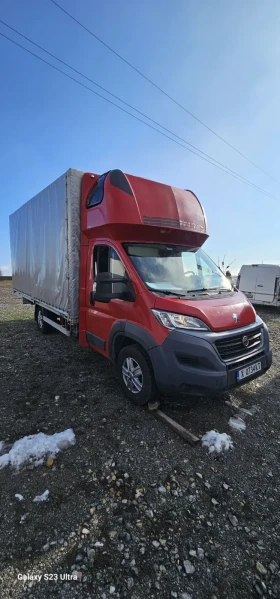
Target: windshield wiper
[(197, 290), (221, 290), (186, 292), (209, 290), (167, 292)]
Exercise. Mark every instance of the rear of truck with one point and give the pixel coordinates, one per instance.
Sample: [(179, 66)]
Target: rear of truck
[(45, 252)]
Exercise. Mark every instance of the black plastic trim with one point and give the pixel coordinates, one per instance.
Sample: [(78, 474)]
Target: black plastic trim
[(189, 364), (97, 341), (119, 180), (116, 330), (131, 331)]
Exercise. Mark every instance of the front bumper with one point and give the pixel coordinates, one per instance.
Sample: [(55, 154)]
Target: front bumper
[(189, 363)]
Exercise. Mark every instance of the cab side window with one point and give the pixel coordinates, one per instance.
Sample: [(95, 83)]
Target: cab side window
[(106, 259), (96, 194)]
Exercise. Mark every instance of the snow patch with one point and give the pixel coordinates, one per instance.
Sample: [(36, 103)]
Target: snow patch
[(4, 460), (35, 448), (19, 496), (39, 462), (42, 497), (216, 441), (23, 518), (237, 424)]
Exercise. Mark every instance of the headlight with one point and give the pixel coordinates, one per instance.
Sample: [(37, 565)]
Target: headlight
[(179, 321)]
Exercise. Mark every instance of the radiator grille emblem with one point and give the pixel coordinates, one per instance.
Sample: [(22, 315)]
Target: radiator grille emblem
[(235, 318)]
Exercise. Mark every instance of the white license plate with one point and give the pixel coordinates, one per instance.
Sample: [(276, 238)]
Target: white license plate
[(248, 371)]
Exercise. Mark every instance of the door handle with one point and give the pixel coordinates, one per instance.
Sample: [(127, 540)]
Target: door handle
[(259, 285)]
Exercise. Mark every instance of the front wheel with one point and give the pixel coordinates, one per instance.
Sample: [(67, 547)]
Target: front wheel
[(136, 375)]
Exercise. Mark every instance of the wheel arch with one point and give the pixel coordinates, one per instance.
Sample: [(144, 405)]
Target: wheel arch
[(127, 333)]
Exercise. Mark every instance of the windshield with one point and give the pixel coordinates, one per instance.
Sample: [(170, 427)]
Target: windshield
[(171, 268)]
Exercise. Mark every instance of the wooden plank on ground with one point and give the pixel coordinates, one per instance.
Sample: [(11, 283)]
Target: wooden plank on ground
[(177, 428)]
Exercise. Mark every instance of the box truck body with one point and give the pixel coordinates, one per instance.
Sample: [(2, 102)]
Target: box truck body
[(45, 246), (117, 260)]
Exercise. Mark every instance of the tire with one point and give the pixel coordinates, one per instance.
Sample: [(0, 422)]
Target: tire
[(43, 326), (142, 388)]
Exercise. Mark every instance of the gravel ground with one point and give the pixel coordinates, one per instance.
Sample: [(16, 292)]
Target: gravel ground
[(133, 511)]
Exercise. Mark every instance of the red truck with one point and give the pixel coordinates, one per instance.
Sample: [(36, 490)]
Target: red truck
[(116, 260)]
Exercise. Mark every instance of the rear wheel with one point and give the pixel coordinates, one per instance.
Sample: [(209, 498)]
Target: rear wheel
[(43, 326), (136, 375)]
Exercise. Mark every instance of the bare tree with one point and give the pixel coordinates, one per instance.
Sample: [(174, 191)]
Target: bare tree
[(223, 266)]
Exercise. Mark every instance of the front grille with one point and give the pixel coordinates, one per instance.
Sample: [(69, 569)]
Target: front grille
[(233, 348), (246, 361)]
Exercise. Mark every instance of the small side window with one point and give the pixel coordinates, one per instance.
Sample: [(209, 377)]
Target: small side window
[(106, 259), (101, 259), (96, 194), (117, 284), (116, 267)]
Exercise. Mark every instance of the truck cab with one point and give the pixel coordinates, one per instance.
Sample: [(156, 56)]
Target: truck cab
[(152, 301)]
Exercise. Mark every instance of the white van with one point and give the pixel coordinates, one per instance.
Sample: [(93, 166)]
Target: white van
[(260, 283)]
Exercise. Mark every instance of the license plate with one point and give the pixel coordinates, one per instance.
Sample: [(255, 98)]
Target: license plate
[(248, 371)]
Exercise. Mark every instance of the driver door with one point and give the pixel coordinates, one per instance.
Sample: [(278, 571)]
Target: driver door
[(102, 316)]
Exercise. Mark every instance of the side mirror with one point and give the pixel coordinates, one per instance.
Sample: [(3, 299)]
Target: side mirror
[(110, 287)]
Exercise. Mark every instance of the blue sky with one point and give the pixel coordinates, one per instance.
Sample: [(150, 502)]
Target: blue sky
[(219, 59)]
